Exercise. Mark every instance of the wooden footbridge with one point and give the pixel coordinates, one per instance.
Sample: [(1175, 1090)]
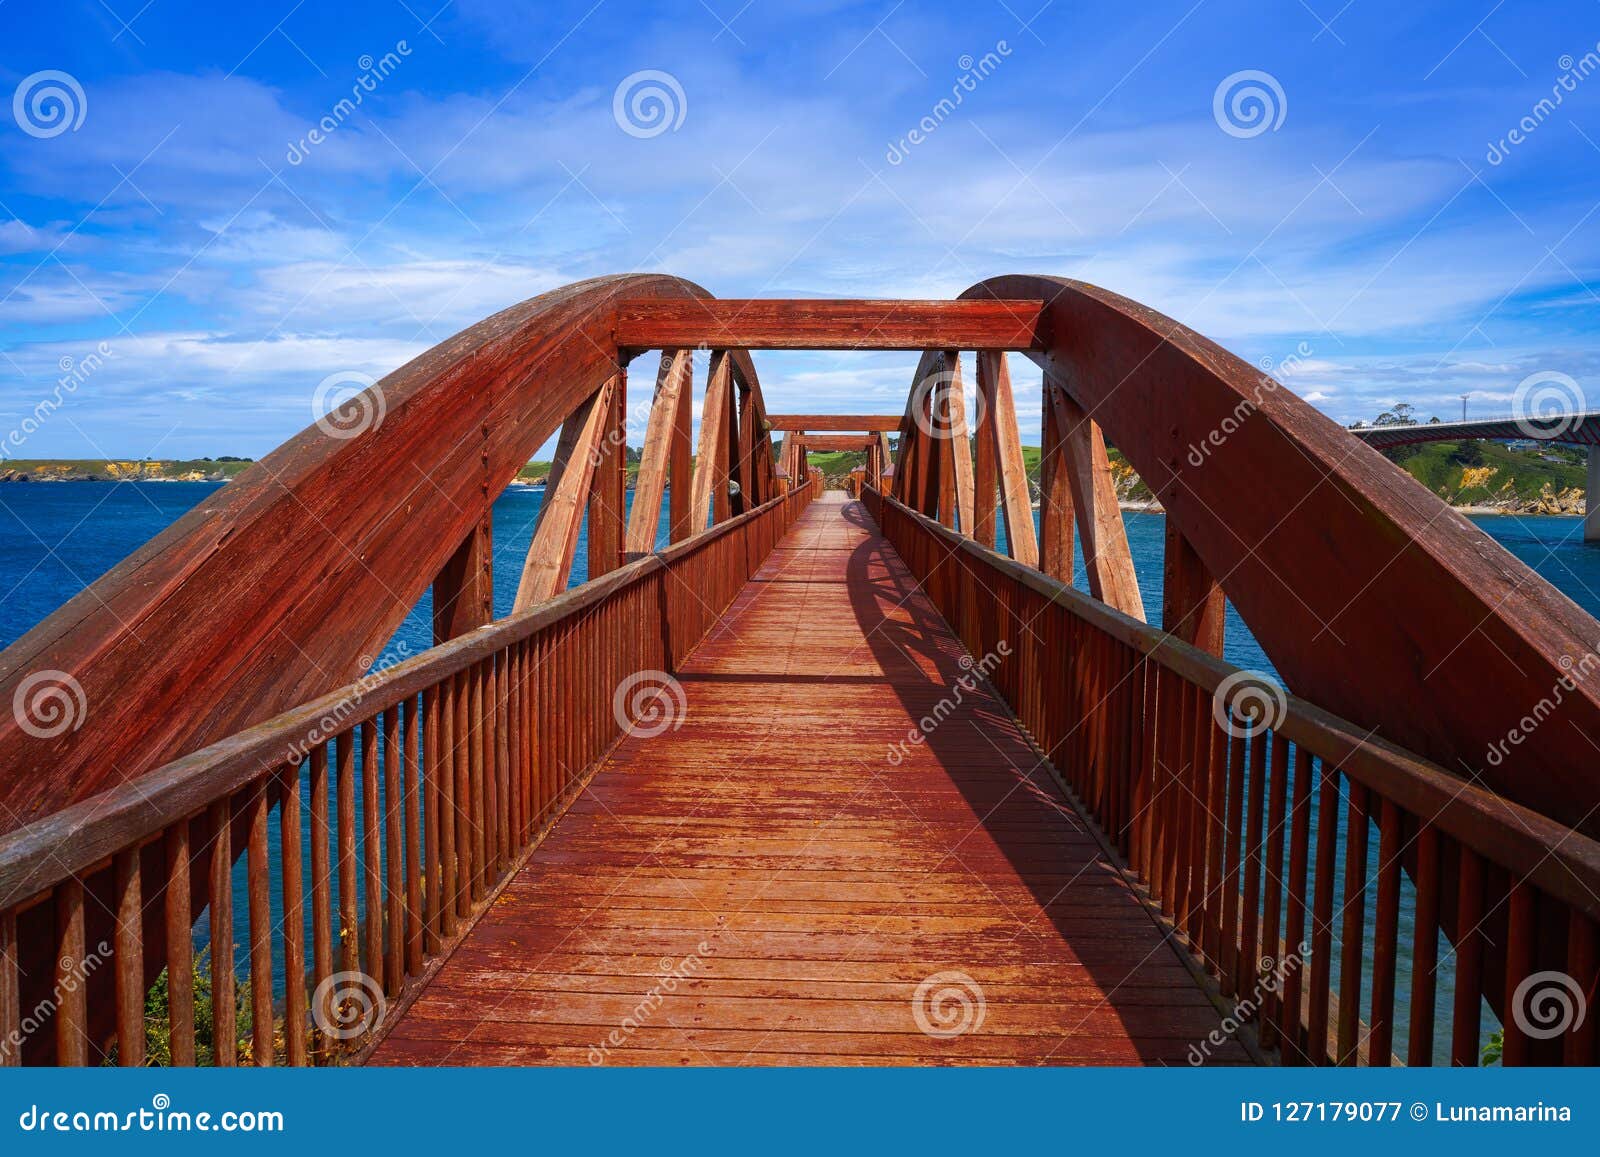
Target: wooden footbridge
[(822, 779)]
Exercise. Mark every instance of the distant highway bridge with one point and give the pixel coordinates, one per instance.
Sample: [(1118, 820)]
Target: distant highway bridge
[(1579, 429)]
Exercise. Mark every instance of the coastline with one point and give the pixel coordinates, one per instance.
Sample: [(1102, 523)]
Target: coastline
[(1531, 510)]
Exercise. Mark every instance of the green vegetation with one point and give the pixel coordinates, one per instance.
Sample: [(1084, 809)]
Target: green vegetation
[(1495, 474), (157, 1033), (126, 470)]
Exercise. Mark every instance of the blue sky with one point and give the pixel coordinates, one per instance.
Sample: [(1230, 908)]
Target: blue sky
[(228, 267)]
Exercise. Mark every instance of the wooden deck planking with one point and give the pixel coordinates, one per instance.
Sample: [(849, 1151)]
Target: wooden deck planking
[(764, 885)]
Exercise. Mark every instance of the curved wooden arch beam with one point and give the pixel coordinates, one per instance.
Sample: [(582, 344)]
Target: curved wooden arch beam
[(1372, 598), (272, 590)]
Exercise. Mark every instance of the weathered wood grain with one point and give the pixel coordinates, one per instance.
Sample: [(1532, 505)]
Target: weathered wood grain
[(770, 323), (763, 892)]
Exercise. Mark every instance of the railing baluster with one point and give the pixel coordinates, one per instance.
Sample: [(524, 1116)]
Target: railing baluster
[(1291, 1023), (224, 1006), (1321, 984), (345, 809), (1248, 970), (393, 857), (371, 850), (72, 1011), (486, 715), (129, 947), (321, 880), (180, 946), (1468, 1013), (258, 893), (1583, 965), (1385, 936), (464, 802), (1352, 936), (294, 916), (1424, 950), (433, 784), (10, 993), (481, 841), (1229, 961), (413, 824), (1520, 935)]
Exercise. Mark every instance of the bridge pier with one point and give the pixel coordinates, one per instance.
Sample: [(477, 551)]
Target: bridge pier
[(1591, 498)]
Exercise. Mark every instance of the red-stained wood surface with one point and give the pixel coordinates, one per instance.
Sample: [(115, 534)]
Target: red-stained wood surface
[(835, 423), (771, 881), (1371, 597), (210, 628), (810, 323)]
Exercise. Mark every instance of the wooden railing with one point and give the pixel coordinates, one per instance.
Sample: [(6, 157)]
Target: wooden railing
[(415, 792), (1321, 876)]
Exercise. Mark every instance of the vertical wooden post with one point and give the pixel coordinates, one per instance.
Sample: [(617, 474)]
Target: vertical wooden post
[(1106, 558), (1192, 604), (726, 505), (994, 386), (655, 460), (711, 467), (960, 440), (1055, 497), (463, 592), (680, 465), (746, 472), (555, 539), (608, 487)]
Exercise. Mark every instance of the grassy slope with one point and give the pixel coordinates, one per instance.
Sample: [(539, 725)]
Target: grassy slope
[(1478, 473), (42, 468)]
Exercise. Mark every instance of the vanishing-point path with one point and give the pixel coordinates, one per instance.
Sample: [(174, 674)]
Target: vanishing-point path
[(767, 884)]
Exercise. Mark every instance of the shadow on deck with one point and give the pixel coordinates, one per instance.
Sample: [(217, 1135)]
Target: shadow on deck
[(788, 877)]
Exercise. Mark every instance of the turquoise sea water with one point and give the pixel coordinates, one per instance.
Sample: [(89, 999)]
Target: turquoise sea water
[(57, 538)]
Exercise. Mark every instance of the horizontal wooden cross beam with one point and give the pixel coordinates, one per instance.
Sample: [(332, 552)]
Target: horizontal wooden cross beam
[(835, 441), (808, 323), (835, 423)]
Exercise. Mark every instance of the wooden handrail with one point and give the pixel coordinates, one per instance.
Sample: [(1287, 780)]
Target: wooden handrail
[(1216, 820), (1561, 860), (75, 839), (486, 737)]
